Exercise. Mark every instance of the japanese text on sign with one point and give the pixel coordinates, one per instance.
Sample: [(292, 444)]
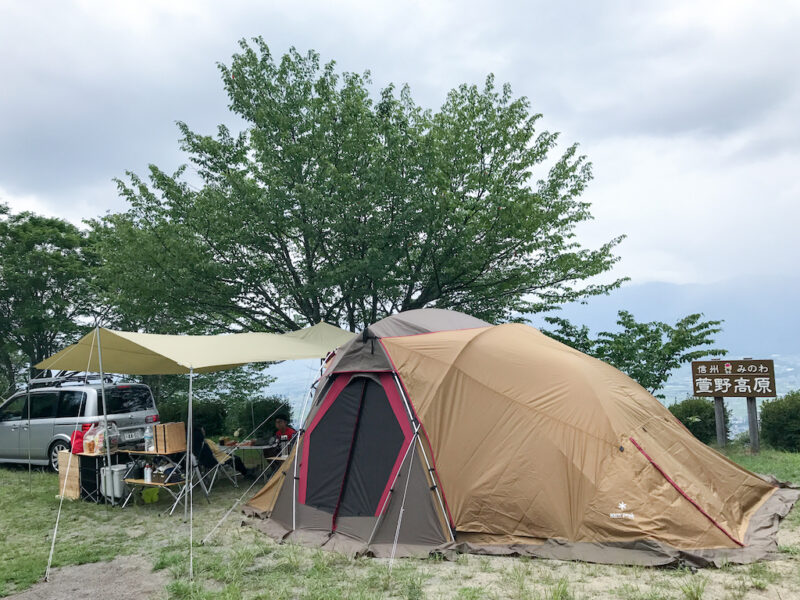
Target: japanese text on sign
[(747, 378)]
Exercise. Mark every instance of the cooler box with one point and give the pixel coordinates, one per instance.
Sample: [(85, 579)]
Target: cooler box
[(113, 485)]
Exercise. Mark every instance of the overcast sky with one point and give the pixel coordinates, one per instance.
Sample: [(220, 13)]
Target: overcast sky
[(688, 110)]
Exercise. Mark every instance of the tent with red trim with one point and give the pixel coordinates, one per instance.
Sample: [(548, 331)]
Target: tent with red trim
[(435, 431)]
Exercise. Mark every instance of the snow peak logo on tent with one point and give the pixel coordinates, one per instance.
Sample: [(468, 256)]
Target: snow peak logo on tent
[(621, 515)]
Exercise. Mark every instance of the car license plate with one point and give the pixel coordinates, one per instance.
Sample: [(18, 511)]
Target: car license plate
[(129, 435)]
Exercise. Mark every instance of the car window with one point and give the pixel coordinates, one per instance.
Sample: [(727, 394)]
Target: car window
[(12, 411), (125, 399), (72, 403), (43, 405)]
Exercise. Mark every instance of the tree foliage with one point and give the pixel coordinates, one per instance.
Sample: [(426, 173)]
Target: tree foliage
[(647, 352), (44, 288), (698, 415), (335, 205), (780, 422)]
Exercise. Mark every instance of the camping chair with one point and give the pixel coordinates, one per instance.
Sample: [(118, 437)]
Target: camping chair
[(225, 466)]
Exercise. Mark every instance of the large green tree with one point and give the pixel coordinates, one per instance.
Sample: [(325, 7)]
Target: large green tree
[(44, 288), (334, 203), (646, 351)]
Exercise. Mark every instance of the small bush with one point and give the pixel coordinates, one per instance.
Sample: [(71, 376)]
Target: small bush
[(780, 422), (220, 418), (247, 415), (697, 414)]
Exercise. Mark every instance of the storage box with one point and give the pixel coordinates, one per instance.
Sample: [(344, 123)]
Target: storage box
[(72, 489), (170, 437)]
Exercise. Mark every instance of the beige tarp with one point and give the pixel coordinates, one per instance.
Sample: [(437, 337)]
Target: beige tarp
[(151, 354)]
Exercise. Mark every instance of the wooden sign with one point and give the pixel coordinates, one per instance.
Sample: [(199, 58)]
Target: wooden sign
[(734, 378)]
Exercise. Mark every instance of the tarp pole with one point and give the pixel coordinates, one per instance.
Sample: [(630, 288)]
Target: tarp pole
[(30, 472), (105, 420), (189, 479)]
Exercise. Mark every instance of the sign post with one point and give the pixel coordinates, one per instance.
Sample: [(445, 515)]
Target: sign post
[(752, 423), (719, 417), (746, 378)]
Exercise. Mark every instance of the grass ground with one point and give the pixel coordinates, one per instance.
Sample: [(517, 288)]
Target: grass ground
[(243, 563)]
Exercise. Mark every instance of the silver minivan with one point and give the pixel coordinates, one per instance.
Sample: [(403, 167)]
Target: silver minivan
[(59, 409)]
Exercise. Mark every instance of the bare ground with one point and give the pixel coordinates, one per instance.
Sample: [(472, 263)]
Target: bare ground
[(124, 578)]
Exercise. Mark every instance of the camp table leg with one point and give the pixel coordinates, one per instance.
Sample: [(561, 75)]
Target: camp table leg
[(131, 466), (128, 497), (179, 497), (202, 484)]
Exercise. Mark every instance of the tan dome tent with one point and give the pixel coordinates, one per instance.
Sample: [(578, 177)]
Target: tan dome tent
[(433, 430)]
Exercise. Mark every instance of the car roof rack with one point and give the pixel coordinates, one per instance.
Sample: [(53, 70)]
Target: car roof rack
[(63, 377)]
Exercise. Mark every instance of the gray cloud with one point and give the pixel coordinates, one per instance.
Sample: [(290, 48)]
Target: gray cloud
[(685, 108)]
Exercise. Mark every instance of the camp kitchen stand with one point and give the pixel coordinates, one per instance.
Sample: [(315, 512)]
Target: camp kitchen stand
[(169, 486), (89, 466)]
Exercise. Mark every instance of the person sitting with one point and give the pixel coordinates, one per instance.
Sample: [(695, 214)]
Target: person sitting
[(284, 434), (206, 455), (282, 428)]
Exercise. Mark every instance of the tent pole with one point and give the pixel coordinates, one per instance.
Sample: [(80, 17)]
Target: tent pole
[(300, 436), (296, 456), (431, 470), (105, 418), (391, 488), (400, 515)]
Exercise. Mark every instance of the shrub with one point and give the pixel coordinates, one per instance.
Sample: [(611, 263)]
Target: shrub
[(780, 422), (220, 418), (247, 415), (697, 414), (208, 414)]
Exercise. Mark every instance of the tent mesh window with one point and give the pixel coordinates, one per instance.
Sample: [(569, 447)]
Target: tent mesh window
[(357, 443)]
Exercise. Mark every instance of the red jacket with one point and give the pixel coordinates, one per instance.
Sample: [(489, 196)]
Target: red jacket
[(289, 432)]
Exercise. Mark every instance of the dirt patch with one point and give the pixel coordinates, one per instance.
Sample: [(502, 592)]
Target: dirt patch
[(124, 578)]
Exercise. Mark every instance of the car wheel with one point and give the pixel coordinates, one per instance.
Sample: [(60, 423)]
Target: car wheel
[(55, 448)]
